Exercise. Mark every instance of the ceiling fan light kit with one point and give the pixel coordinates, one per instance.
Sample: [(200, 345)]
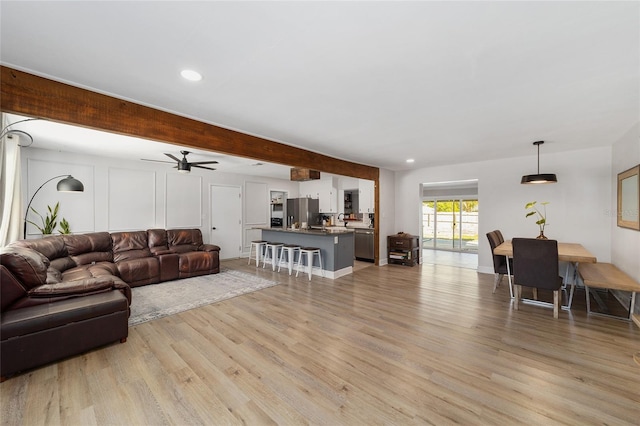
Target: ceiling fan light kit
[(539, 178)]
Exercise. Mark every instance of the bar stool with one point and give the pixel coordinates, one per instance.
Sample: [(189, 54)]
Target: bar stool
[(309, 252), (259, 246), (290, 250), (271, 254)]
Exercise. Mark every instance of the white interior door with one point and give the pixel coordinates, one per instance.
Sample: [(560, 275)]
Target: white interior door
[(226, 220)]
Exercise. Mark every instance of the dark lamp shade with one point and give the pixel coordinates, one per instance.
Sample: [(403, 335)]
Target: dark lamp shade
[(70, 184), (540, 178)]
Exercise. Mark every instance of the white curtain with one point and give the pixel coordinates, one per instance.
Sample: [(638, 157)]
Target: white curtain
[(10, 184)]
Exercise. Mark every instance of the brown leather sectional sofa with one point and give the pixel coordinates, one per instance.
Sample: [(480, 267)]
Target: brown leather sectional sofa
[(65, 294)]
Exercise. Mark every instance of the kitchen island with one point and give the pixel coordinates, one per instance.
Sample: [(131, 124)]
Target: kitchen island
[(336, 246)]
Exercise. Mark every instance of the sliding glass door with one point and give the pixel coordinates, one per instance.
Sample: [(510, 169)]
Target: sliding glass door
[(450, 224)]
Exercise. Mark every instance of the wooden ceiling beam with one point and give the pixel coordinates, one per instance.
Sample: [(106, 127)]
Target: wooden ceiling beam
[(30, 95)]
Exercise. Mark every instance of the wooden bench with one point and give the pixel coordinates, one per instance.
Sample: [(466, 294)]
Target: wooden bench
[(607, 275)]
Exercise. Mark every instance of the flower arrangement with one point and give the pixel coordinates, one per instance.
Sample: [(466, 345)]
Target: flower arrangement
[(542, 216)]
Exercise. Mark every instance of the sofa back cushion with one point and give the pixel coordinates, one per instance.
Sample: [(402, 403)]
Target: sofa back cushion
[(184, 240), (89, 248), (55, 248), (157, 240), (130, 245), (27, 265), (52, 246)]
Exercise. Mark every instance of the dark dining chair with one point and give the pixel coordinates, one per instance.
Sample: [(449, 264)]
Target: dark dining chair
[(535, 264), (499, 262)]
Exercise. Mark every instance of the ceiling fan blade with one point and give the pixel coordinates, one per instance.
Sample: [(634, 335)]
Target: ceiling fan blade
[(157, 161), (201, 167), (172, 157), (203, 162)]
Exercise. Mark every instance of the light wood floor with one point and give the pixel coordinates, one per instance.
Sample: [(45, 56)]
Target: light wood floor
[(387, 345)]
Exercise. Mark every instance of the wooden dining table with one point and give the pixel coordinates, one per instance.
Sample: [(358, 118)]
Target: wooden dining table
[(567, 252), (572, 253)]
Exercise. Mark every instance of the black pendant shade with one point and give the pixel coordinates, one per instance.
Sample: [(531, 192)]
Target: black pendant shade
[(543, 178), (539, 178)]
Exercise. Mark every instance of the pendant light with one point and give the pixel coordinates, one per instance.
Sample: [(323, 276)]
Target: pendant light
[(539, 178)]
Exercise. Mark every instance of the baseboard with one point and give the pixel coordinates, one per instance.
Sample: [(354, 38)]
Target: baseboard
[(485, 270), (335, 274)]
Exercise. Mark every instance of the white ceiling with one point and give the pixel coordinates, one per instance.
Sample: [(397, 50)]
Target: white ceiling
[(370, 82)]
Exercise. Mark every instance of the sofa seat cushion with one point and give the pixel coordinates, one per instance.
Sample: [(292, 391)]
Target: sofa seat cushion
[(198, 263), (90, 271), (142, 271), (19, 322)]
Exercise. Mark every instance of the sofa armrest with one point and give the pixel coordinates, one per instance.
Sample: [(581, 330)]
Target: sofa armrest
[(12, 290), (209, 247)]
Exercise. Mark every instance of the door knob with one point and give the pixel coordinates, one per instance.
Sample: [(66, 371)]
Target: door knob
[(213, 228)]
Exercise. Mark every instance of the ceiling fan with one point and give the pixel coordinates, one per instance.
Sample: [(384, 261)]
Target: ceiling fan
[(183, 165)]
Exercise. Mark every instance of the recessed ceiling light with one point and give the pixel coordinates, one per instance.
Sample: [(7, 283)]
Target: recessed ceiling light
[(191, 75), (410, 160)]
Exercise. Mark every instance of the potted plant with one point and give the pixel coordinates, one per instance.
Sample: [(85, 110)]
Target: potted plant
[(49, 222), (542, 216)]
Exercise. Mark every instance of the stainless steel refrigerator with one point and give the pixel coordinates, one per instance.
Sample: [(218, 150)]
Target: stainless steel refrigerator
[(303, 210)]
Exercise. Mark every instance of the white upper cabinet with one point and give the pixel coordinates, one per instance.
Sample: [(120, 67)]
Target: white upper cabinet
[(366, 200), (325, 190)]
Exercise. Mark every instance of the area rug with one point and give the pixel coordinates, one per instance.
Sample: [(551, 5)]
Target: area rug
[(155, 301)]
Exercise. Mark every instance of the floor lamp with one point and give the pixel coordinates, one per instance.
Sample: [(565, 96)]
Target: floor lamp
[(68, 184)]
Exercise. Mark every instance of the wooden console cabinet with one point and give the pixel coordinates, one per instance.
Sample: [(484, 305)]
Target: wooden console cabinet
[(403, 249)]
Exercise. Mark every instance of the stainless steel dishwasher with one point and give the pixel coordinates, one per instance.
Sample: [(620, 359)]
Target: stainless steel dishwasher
[(364, 244)]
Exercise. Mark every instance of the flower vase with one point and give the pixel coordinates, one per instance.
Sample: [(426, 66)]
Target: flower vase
[(541, 236)]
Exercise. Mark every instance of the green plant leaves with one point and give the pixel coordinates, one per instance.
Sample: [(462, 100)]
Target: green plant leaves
[(542, 217), (64, 227), (50, 222)]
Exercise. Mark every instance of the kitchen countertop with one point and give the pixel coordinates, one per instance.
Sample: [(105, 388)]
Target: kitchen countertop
[(328, 230), (337, 248)]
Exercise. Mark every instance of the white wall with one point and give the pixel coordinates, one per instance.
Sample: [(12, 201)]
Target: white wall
[(386, 216), (125, 195), (578, 209), (625, 243)]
